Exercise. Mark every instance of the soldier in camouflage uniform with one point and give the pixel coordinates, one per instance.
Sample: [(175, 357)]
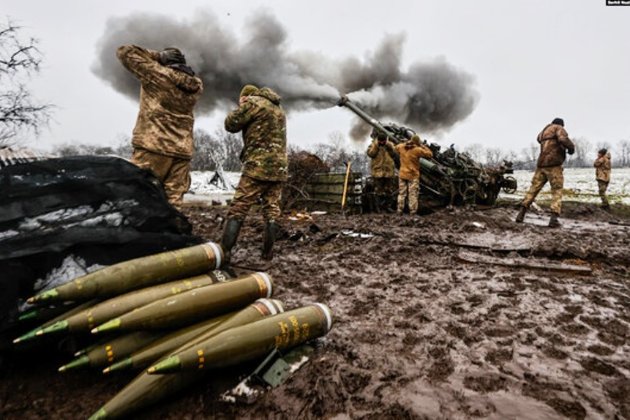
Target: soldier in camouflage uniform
[(410, 153), (162, 138), (383, 162), (263, 123), (554, 144), (602, 174)]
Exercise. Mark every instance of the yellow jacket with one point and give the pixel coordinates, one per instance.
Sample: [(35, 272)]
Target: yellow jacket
[(410, 154)]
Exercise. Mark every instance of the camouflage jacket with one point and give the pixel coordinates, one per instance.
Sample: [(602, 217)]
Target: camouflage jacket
[(602, 168), (410, 155), (167, 98), (554, 143), (382, 164), (263, 123)]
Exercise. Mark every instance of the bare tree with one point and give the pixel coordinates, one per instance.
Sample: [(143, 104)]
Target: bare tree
[(623, 152), (581, 157), (203, 145), (333, 152), (19, 111), (124, 149), (233, 147), (219, 151), (475, 151), (528, 157), (360, 162), (495, 156), (603, 145)]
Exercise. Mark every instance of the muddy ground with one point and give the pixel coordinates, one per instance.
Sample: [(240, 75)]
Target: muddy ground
[(418, 333)]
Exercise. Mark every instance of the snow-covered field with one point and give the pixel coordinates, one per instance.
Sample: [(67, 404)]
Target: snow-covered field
[(580, 185), (203, 190)]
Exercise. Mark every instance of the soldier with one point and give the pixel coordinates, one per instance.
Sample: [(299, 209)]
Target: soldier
[(554, 144), (410, 153), (162, 138), (602, 174), (263, 123), (383, 162)]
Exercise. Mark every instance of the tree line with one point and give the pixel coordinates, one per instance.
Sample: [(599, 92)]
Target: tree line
[(585, 154), (221, 150)]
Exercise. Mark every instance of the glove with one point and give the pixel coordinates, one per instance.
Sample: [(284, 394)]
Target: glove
[(171, 56)]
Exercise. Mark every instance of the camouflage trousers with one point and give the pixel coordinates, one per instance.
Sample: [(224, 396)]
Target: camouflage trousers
[(250, 191), (173, 173), (408, 190), (602, 187), (384, 185), (555, 177)]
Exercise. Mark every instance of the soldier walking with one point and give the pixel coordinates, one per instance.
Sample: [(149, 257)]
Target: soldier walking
[(163, 136), (602, 175), (383, 162), (410, 153), (264, 156), (554, 144)]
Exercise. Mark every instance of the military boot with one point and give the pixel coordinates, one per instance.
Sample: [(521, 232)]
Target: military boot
[(230, 234), (269, 237), (521, 214), (553, 221)]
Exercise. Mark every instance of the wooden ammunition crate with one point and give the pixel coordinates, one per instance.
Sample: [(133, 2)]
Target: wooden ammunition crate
[(325, 190)]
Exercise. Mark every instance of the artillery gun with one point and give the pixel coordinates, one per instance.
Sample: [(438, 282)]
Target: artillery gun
[(450, 177)]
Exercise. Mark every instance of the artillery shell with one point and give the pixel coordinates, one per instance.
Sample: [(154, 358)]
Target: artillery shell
[(190, 306), (111, 308), (34, 333), (137, 273), (45, 313), (250, 341), (113, 350), (198, 332), (148, 389)]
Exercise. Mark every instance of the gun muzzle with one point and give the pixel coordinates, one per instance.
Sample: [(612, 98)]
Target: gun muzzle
[(343, 100)]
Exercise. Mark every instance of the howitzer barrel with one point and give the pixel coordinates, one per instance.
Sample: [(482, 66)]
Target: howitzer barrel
[(431, 166), (345, 101)]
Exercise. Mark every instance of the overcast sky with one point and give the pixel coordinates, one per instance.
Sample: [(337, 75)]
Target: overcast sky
[(532, 60)]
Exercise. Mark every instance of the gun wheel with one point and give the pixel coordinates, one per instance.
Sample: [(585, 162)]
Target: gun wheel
[(509, 185)]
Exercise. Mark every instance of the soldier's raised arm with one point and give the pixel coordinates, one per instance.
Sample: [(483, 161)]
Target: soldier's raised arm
[(141, 62), (425, 152), (238, 119)]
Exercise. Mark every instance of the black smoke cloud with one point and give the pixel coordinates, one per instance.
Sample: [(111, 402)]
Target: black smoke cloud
[(429, 97)]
